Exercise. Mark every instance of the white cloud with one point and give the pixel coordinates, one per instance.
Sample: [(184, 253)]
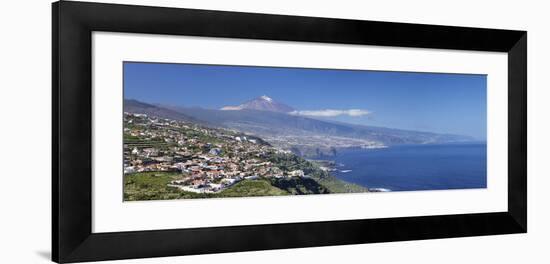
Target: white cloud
[(332, 112), (231, 108)]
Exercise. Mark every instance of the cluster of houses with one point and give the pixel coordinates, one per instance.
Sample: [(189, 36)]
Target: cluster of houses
[(209, 160)]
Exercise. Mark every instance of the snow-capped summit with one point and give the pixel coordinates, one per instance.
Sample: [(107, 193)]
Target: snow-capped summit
[(267, 98), (262, 103)]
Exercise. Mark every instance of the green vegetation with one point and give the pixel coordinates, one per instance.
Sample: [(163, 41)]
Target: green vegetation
[(335, 185), (154, 186), (245, 188), (332, 184), (296, 185), (150, 186), (140, 142), (128, 137)]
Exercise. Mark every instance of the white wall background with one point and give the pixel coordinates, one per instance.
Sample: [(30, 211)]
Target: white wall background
[(25, 52)]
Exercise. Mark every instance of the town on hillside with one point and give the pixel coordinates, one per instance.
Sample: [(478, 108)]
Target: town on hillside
[(210, 160)]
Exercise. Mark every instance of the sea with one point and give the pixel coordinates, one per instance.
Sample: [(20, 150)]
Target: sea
[(415, 167)]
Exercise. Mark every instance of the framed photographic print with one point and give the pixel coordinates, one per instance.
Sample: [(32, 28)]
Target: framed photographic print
[(180, 131)]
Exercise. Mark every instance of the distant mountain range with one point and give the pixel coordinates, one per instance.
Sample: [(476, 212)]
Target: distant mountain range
[(134, 106), (270, 120)]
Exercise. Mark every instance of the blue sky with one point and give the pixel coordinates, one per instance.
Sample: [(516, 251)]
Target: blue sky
[(443, 103)]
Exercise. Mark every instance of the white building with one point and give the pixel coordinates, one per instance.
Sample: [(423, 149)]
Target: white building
[(130, 169), (298, 173)]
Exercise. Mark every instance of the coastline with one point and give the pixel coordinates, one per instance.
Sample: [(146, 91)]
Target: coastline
[(215, 162)]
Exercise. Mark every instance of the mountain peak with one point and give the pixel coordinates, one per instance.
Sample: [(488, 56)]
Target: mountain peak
[(262, 103), (267, 98)]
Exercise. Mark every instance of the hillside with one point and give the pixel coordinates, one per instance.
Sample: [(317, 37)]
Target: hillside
[(169, 159), (303, 135)]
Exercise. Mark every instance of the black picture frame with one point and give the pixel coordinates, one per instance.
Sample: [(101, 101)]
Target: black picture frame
[(73, 24)]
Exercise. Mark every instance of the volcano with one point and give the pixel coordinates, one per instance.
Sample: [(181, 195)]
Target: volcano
[(262, 103)]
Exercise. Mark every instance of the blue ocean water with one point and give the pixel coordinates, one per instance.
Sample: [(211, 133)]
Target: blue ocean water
[(415, 167)]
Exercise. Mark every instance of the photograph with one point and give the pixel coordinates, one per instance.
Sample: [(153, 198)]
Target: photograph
[(217, 131), (269, 132)]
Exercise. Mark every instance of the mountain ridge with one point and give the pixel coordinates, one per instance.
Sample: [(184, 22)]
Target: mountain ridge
[(261, 103), (135, 106), (281, 124)]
